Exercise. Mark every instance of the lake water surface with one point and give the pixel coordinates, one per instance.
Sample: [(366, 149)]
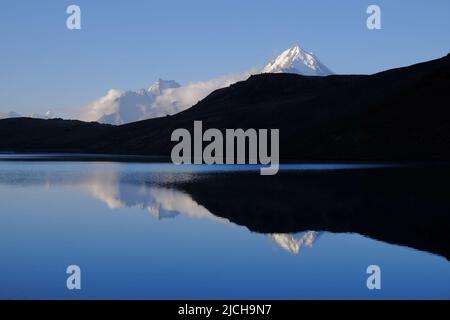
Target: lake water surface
[(159, 231)]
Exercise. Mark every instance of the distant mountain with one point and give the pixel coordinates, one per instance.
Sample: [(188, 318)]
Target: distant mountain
[(160, 85), (132, 106), (296, 60), (129, 106), (47, 115), (9, 115), (399, 114)]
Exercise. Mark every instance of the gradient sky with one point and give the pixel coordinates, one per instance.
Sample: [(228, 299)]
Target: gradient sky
[(129, 44)]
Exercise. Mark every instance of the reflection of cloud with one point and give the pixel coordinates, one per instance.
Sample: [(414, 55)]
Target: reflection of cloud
[(163, 202), (175, 201), (160, 202), (119, 107), (104, 188), (293, 243)]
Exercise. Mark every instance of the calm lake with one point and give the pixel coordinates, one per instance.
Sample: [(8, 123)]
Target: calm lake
[(159, 231)]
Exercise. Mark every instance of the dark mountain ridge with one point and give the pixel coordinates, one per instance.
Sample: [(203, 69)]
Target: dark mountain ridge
[(399, 114)]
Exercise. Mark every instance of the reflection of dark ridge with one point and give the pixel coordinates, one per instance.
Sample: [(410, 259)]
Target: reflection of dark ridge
[(402, 206)]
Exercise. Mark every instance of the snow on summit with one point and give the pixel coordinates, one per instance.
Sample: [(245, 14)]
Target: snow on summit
[(296, 60), (118, 107), (159, 86)]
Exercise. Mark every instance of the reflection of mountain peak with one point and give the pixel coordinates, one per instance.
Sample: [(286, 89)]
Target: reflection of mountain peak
[(294, 242), (156, 211)]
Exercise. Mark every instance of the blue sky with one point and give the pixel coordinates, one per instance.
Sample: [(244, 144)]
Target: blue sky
[(129, 44)]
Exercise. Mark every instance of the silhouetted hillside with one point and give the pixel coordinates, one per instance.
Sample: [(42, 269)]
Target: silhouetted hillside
[(399, 114), (36, 135)]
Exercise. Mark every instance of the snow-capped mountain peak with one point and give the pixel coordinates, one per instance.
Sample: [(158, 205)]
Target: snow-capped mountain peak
[(296, 60), (48, 115), (129, 106), (160, 85)]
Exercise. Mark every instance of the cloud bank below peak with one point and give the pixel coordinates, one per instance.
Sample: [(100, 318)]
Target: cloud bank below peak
[(175, 100), (164, 97)]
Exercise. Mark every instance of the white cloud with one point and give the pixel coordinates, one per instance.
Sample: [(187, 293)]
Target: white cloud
[(131, 106), (102, 106), (172, 101)]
